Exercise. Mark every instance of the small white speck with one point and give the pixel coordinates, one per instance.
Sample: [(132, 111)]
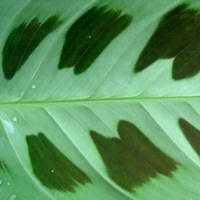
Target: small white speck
[(15, 119), (52, 171), (33, 86), (90, 36), (8, 183)]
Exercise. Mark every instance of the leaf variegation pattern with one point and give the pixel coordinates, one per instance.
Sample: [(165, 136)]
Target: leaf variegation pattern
[(99, 100)]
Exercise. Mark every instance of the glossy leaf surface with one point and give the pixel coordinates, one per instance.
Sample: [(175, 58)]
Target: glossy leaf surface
[(99, 100)]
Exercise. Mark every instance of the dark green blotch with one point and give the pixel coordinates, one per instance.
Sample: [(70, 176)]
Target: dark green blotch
[(22, 41), (89, 36), (191, 133), (45, 157), (133, 159), (3, 166), (177, 36)]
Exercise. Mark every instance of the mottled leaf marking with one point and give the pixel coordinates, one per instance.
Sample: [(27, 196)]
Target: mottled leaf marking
[(89, 36), (177, 36), (191, 133), (133, 159), (3, 166), (138, 142), (52, 167), (22, 41)]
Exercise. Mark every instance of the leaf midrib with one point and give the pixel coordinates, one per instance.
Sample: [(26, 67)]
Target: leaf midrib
[(97, 101)]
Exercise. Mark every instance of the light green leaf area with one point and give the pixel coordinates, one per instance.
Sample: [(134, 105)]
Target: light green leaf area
[(99, 100)]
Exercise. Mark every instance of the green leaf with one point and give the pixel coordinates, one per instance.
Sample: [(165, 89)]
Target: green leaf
[(99, 100)]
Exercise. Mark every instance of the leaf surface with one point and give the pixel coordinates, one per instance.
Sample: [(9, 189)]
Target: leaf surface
[(99, 100)]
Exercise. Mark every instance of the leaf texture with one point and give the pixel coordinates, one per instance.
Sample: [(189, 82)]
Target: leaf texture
[(99, 100)]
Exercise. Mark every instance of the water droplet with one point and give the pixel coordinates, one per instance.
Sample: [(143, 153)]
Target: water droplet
[(12, 197), (8, 183), (33, 86), (52, 171), (1, 181), (89, 36), (15, 119), (8, 125)]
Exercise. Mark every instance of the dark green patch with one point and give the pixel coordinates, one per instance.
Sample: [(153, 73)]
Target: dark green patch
[(52, 167), (3, 166), (89, 36), (22, 41), (191, 133), (133, 159), (177, 36)]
